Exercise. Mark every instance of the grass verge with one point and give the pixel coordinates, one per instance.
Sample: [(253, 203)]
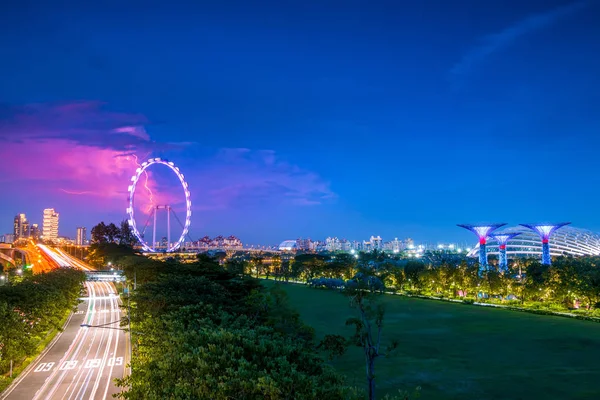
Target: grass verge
[(457, 351)]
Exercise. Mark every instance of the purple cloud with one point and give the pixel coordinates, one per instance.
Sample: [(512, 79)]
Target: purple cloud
[(84, 151)]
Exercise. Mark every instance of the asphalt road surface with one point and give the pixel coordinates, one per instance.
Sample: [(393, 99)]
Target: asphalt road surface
[(85, 358)]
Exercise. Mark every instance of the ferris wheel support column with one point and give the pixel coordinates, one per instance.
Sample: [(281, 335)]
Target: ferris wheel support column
[(154, 231), (168, 226)]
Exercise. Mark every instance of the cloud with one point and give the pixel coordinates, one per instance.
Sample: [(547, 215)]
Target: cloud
[(497, 41), (82, 152), (240, 177)]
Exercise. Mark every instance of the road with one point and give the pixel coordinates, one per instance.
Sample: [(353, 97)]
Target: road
[(84, 359), (37, 258)]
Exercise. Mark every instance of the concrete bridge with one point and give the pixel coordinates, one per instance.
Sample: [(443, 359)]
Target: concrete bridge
[(12, 256), (105, 276)]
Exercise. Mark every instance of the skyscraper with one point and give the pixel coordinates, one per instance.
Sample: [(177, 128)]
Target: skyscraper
[(81, 238), (50, 224), (21, 227), (34, 232)]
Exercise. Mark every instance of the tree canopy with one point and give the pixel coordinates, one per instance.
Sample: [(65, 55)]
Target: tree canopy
[(201, 331)]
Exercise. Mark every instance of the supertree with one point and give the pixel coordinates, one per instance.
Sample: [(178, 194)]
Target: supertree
[(482, 232), (545, 231), (502, 239)]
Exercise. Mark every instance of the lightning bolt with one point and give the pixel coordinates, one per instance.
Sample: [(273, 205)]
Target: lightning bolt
[(77, 193), (150, 194)]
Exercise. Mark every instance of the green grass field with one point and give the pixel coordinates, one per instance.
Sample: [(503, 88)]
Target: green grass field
[(456, 351)]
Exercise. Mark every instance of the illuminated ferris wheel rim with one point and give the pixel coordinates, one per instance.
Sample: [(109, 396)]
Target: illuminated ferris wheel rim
[(131, 190)]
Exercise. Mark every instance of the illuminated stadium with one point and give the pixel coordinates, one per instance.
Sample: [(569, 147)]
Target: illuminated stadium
[(288, 245), (565, 241)]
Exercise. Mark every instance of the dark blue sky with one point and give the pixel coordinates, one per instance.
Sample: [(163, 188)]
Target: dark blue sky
[(397, 118)]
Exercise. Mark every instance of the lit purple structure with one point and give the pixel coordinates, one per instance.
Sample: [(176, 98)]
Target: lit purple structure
[(545, 231), (482, 232), (502, 239)]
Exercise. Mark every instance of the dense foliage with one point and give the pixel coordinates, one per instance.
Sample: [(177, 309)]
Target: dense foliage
[(110, 243), (202, 332), (32, 307), (569, 283)]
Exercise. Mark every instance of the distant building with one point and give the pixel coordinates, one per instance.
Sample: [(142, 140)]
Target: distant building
[(81, 238), (222, 243), (395, 246), (232, 243), (34, 232), (8, 238), (288, 245), (345, 245), (376, 243), (20, 227), (333, 244), (62, 240), (305, 244), (50, 224)]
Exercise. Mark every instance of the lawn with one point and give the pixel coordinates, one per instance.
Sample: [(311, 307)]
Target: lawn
[(456, 351)]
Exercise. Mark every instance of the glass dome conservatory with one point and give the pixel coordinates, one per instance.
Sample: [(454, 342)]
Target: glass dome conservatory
[(567, 241)]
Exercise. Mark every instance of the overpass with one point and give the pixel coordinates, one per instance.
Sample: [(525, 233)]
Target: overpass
[(10, 255), (105, 276)]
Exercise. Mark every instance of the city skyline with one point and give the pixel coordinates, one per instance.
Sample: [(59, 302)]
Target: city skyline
[(279, 124)]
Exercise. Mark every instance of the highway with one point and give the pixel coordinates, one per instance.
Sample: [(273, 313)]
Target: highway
[(38, 258), (84, 359)]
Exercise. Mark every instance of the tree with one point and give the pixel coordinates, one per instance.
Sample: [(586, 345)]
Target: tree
[(364, 292), (276, 265), (237, 267), (112, 233), (98, 233), (126, 236), (258, 265), (203, 332), (286, 270)]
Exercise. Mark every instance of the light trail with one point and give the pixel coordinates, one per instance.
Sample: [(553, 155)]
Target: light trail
[(73, 261), (86, 357), (55, 257)]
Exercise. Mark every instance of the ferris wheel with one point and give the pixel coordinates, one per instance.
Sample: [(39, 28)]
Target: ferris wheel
[(155, 209)]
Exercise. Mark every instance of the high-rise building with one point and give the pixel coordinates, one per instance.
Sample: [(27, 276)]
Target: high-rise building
[(333, 244), (81, 238), (376, 243), (21, 227), (50, 224), (395, 246), (34, 232)]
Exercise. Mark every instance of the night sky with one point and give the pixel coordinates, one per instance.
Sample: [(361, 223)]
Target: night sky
[(304, 118)]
